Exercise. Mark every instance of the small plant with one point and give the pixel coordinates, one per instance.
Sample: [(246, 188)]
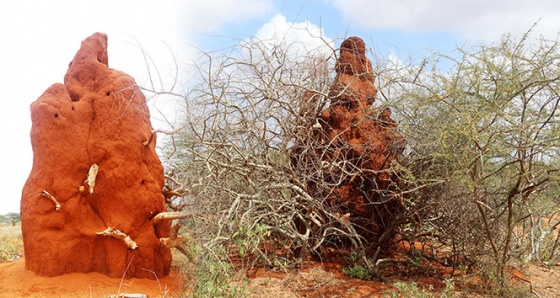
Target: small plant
[(248, 239), (411, 290), (487, 274), (416, 256), (358, 271), (212, 276), (449, 289)]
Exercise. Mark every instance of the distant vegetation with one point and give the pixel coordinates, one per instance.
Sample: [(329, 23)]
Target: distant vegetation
[(10, 219), (11, 243)]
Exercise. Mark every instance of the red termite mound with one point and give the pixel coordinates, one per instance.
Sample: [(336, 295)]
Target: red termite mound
[(94, 154), (364, 142)]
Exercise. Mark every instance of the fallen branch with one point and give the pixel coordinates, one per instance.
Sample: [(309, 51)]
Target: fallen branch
[(170, 215), (116, 233), (47, 195)]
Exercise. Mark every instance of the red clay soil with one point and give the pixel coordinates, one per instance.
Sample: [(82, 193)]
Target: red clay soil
[(327, 278), (98, 117), (16, 281), (316, 280)]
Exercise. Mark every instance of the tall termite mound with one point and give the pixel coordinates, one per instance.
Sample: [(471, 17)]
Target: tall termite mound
[(358, 148), (96, 183)]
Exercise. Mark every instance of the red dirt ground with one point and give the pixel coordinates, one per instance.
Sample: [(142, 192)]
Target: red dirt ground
[(16, 281), (313, 280)]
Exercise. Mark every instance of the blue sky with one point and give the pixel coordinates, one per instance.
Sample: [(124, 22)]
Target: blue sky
[(41, 37), (337, 24)]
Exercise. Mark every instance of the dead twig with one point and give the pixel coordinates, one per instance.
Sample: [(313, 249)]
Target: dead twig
[(170, 216), (47, 195), (116, 233)]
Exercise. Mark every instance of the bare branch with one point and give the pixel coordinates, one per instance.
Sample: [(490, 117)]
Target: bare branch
[(116, 233), (170, 216), (46, 194)]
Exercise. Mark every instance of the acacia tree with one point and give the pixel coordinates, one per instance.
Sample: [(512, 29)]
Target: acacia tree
[(483, 136)]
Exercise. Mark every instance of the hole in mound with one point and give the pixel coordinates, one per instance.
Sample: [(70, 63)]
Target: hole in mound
[(74, 97), (56, 115)]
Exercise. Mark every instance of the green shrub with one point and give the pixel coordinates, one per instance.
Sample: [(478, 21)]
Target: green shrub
[(11, 244), (212, 277), (358, 271)]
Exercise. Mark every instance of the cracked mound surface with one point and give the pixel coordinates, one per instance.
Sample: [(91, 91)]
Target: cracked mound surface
[(98, 116)]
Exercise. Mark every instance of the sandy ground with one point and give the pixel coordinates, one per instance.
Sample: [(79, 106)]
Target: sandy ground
[(544, 281), (16, 281)]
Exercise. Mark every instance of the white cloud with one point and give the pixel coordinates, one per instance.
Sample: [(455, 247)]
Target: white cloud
[(207, 16), (302, 38), (473, 19)]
